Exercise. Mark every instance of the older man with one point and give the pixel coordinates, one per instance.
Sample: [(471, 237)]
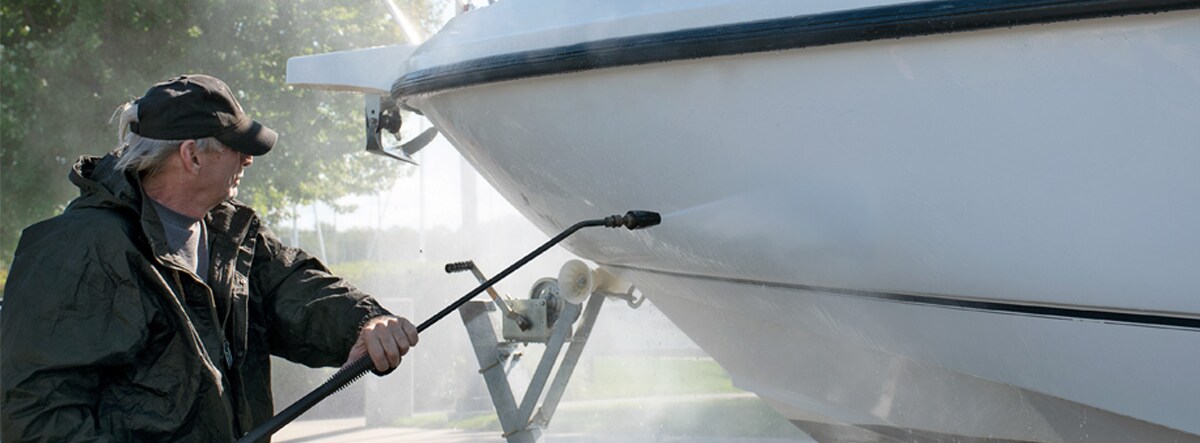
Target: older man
[(147, 311)]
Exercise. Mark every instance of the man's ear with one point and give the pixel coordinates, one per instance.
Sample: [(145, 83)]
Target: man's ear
[(189, 155)]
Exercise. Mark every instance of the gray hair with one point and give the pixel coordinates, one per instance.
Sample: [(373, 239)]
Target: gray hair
[(146, 156)]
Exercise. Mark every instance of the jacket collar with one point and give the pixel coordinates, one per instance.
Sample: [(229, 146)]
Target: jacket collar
[(231, 219), (102, 185)]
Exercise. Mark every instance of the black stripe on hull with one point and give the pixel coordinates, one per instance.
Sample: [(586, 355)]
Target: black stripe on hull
[(825, 432), (883, 22), (992, 306), (1104, 426)]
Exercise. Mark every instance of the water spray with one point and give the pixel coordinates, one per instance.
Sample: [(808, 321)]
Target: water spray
[(355, 370)]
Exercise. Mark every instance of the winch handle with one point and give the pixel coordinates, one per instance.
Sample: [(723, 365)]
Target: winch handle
[(353, 371)]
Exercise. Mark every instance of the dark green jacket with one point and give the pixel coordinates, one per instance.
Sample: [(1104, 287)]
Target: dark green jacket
[(105, 336)]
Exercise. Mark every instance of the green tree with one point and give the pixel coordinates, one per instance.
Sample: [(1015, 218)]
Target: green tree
[(68, 63)]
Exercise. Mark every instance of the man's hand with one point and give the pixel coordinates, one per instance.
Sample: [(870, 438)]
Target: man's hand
[(385, 339)]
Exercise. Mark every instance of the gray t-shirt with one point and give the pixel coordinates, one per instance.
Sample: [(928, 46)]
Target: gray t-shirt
[(186, 237)]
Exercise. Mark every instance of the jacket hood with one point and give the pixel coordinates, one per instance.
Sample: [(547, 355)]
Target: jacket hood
[(102, 185)]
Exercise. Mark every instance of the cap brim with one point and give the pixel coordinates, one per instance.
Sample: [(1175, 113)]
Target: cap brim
[(251, 139)]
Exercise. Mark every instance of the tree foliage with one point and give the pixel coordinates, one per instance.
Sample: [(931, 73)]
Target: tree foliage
[(67, 64)]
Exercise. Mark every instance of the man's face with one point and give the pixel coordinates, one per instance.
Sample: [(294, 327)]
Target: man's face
[(222, 173)]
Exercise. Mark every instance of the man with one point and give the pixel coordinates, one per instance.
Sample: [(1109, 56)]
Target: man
[(148, 309)]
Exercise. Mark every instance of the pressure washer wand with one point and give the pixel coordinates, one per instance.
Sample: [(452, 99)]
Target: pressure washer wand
[(351, 372)]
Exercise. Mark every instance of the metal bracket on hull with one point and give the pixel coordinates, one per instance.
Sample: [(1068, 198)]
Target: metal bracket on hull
[(370, 72), (382, 114)]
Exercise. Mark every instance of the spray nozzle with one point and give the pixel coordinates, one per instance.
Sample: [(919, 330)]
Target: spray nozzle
[(633, 220)]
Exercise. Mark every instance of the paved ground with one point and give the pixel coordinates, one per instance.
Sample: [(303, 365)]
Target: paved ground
[(355, 430)]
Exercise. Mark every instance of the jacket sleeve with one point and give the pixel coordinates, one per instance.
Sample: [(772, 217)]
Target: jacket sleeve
[(69, 316), (313, 316)]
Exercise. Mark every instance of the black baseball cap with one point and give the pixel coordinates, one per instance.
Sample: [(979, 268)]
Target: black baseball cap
[(196, 106)]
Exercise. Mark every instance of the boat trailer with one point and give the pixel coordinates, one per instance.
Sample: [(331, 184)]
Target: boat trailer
[(550, 314)]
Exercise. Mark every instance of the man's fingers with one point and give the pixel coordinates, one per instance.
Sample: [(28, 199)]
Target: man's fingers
[(391, 353), (375, 350), (387, 339), (400, 334), (410, 331)]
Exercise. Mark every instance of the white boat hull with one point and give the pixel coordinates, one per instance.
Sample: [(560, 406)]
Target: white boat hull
[(897, 368), (985, 234)]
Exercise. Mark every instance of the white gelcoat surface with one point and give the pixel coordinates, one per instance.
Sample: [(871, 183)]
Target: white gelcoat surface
[(934, 164), (1049, 165)]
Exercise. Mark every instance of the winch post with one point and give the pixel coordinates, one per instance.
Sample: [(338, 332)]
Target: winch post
[(515, 419), (484, 341)]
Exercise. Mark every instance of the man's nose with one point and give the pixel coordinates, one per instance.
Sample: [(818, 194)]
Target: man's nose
[(247, 160)]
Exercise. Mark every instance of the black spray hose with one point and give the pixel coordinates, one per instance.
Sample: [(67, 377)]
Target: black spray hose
[(349, 373)]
